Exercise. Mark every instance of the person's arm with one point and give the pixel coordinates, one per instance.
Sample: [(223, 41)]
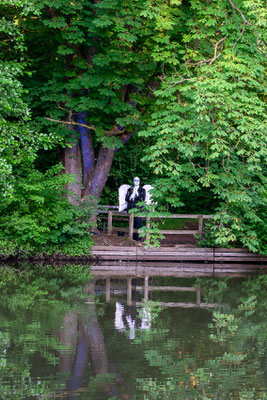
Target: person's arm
[(128, 194)]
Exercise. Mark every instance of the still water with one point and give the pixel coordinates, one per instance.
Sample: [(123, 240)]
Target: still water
[(111, 341)]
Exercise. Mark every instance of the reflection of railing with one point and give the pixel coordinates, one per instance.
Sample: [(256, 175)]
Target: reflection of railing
[(146, 288), (124, 216)]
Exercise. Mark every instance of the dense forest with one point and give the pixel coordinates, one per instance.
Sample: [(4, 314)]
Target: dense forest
[(94, 93)]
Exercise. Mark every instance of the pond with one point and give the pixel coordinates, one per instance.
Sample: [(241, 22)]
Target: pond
[(125, 339)]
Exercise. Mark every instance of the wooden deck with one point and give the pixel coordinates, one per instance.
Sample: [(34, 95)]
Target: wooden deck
[(177, 261)]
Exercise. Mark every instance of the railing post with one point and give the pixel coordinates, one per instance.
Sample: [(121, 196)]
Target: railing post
[(129, 291), (147, 226), (131, 224), (146, 289), (109, 223), (108, 288), (200, 225), (198, 295)]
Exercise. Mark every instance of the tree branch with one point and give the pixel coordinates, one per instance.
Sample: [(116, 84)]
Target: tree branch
[(245, 22), (111, 132), (71, 123), (215, 56), (240, 12)]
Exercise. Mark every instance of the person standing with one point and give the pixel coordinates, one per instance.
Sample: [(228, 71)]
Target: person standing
[(135, 195)]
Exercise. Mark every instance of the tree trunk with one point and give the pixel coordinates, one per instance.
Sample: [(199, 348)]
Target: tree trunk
[(87, 149), (100, 173), (73, 166)]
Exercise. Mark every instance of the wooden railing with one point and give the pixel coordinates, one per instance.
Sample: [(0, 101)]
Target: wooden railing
[(146, 288), (124, 216)]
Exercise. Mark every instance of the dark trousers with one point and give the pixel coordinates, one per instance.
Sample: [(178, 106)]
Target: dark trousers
[(137, 225)]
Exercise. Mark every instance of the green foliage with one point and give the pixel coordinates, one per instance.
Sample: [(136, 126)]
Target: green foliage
[(18, 142), (151, 230), (90, 57), (213, 289), (238, 352), (125, 167), (31, 282), (39, 219), (189, 77), (36, 301), (224, 324), (207, 125)]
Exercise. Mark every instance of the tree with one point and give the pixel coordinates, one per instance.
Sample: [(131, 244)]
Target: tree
[(18, 143), (207, 125), (189, 75), (92, 71)]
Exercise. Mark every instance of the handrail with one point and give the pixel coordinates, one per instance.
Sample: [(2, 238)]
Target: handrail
[(131, 229)]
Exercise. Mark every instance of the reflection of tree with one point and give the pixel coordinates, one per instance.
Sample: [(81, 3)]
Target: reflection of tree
[(26, 343), (234, 370), (87, 341)]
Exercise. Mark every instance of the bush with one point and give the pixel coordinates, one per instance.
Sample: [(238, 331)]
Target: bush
[(38, 218)]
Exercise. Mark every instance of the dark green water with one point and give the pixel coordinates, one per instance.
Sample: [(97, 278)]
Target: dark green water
[(78, 346)]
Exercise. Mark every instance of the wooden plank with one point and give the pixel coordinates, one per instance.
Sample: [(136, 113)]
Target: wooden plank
[(179, 249), (235, 254), (106, 209), (238, 259), (236, 265), (114, 212), (165, 265), (173, 273), (115, 275), (115, 219), (173, 257), (108, 248), (181, 305), (178, 216), (173, 251), (112, 250), (171, 289), (183, 267), (231, 250), (179, 232)]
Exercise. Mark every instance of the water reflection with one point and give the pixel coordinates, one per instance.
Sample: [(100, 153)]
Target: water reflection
[(136, 337)]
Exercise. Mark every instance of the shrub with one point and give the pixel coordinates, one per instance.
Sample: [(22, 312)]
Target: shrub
[(38, 218)]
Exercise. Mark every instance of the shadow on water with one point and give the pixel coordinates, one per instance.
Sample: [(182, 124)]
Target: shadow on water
[(136, 334)]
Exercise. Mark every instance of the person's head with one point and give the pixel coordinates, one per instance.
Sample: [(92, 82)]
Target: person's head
[(136, 181)]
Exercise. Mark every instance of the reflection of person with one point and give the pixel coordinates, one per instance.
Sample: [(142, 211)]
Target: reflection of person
[(134, 195), (126, 318)]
